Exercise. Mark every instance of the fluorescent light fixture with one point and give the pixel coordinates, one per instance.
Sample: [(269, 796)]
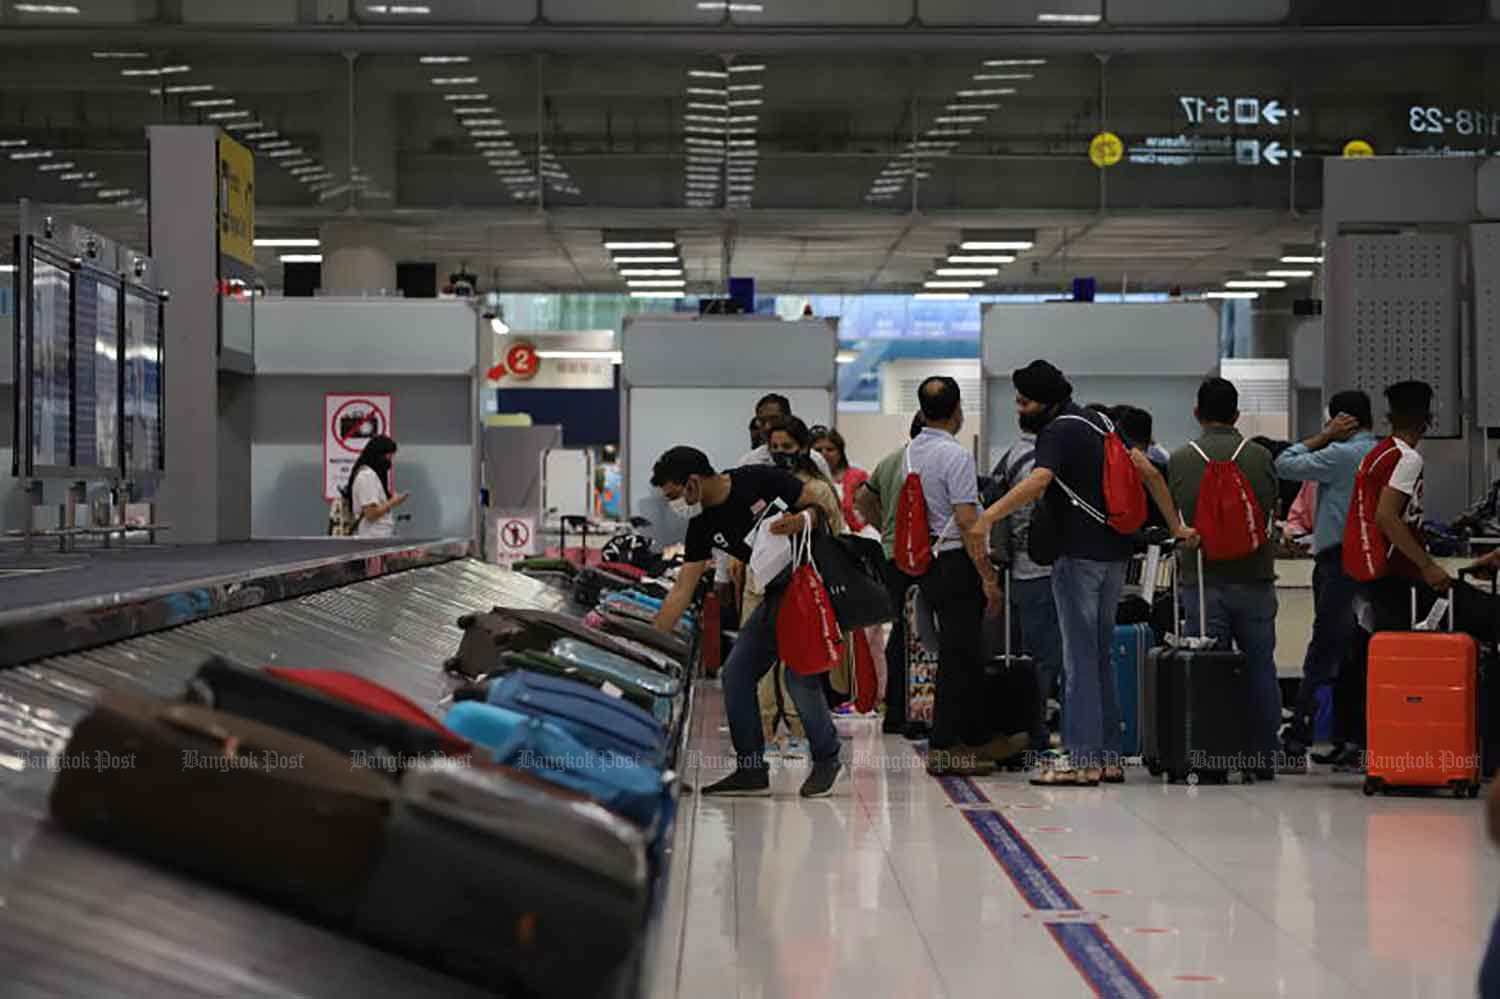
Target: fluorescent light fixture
[(704, 129), (157, 71), (744, 153), (1231, 294), (998, 63), (708, 74), (965, 108), (953, 284), (61, 165), (517, 178), (398, 8), (847, 356), (463, 109), (736, 8), (623, 261), (277, 144), (1047, 17), (281, 154), (1300, 275), (967, 271), (121, 55), (302, 258), (651, 272), (940, 296), (483, 122), (443, 60), (958, 119), (487, 133), (751, 102), (1255, 284), (188, 88), (46, 8), (226, 115), (613, 356), (701, 106), (454, 81), (742, 143), (1000, 244), (113, 192), (639, 245), (694, 140), (990, 77), (77, 175), (1301, 260), (675, 283), (748, 67), (744, 119), (745, 87), (989, 92), (960, 259), (656, 294), (32, 154), (240, 126), (707, 92), (7, 268), (14, 143), (706, 119), (213, 102), (456, 98), (950, 131)]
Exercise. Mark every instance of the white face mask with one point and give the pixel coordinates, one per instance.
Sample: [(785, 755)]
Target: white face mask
[(682, 508)]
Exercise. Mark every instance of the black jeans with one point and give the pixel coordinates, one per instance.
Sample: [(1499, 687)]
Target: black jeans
[(953, 589), (897, 582)]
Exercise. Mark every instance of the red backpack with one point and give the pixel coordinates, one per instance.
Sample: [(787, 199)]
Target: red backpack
[(1124, 494), (1229, 518), (1366, 550), (913, 549)]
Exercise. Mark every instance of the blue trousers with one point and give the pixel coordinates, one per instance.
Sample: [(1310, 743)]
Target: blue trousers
[(1087, 595), (753, 655), (1244, 614), (1037, 634)]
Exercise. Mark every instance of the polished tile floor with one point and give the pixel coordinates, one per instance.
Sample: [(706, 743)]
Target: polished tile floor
[(1299, 888)]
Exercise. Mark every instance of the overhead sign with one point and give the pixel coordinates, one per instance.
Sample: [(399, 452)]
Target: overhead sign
[(349, 421), (1358, 149), (236, 201), (521, 360), (1106, 150), (515, 539), (1252, 152), (1248, 111)]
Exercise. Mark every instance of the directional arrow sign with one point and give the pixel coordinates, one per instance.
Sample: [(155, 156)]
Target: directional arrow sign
[(1274, 112), (1272, 154)]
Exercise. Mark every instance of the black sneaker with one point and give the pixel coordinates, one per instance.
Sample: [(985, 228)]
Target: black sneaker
[(819, 783), (743, 783)]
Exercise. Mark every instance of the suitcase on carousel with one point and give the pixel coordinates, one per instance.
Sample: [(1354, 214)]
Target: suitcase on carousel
[(355, 716), (671, 645), (505, 629), (226, 798), (1422, 720), (510, 883), (661, 708), (593, 717)]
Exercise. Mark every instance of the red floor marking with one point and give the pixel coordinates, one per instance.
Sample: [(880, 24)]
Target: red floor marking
[(1208, 979), (1051, 829), (1106, 891), (1158, 930)]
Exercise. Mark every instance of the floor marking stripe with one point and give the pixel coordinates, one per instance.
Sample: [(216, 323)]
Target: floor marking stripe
[(1108, 972)]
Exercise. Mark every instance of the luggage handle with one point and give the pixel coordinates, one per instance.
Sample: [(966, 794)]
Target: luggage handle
[(1451, 604), (1492, 577)]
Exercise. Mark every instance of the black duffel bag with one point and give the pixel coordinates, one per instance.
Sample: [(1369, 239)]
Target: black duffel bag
[(851, 567)]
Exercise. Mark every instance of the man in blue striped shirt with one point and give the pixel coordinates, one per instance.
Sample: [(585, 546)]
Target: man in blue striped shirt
[(1330, 458)]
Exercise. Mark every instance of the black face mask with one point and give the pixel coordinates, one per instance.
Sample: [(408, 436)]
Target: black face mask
[(1033, 423), (783, 459)]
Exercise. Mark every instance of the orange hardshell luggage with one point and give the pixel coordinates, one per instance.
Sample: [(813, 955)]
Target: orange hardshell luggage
[(1422, 724)]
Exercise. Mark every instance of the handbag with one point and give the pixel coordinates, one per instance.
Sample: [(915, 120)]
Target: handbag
[(850, 567), (808, 639), (769, 557)]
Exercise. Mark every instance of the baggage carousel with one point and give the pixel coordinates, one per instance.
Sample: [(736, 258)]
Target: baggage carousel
[(80, 920)]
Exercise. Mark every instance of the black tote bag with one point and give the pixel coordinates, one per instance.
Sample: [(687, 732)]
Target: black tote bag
[(851, 568)]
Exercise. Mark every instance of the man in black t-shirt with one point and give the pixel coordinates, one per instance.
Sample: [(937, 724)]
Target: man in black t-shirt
[(1089, 573), (723, 511)]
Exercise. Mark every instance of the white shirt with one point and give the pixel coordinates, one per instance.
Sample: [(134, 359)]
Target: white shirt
[(367, 490), (1406, 478), (760, 456)]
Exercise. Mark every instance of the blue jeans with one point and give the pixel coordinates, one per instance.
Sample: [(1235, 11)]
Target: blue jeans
[(1489, 968), (1038, 635), (1087, 594), (752, 657), (1244, 614), (1333, 637)]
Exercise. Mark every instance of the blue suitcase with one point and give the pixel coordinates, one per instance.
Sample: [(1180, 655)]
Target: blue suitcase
[(1128, 651), (593, 717), (544, 749)]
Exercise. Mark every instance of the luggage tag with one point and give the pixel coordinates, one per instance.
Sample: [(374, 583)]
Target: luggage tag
[(611, 690), (777, 505), (1434, 619)]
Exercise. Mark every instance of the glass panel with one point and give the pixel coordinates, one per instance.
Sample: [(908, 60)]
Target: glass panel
[(97, 346), (51, 409), (143, 385)]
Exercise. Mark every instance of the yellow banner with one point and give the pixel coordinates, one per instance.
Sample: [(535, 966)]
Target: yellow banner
[(236, 201)]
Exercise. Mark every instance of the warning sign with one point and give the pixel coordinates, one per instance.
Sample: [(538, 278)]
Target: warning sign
[(349, 421), (515, 539)]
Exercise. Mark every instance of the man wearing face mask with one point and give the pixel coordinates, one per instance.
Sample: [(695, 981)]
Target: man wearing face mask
[(723, 508)]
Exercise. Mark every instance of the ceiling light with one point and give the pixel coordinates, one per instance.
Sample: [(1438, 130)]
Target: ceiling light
[(1002, 244), (268, 133), (958, 119), (991, 92), (72, 176), (281, 154), (443, 60), (705, 119), (614, 356), (517, 178), (278, 144), (967, 271), (1255, 284), (737, 8), (647, 260), (213, 102), (744, 119), (953, 284), (226, 115), (655, 294), (675, 283), (64, 165), (302, 258), (1050, 18), (738, 153), (959, 259), (113, 192), (486, 133), (694, 140), (705, 129), (46, 8), (397, 8), (962, 108), (121, 55), (983, 77), (13, 143), (483, 122), (744, 87), (940, 296), (748, 67), (1015, 62), (240, 126), (1291, 274), (950, 131), (708, 74), (455, 98), (701, 106), (1302, 260), (651, 272), (32, 154), (639, 245), (464, 109), (742, 143), (752, 102), (454, 81), (1231, 294)]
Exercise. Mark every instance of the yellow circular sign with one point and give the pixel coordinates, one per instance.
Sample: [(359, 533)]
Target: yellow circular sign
[(1106, 150), (1357, 148)]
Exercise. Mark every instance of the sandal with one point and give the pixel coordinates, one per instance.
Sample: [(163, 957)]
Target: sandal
[(1065, 778)]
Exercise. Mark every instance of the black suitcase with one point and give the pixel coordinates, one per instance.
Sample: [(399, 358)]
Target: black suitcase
[(1012, 691), (487, 636), (1195, 710), (1483, 609), (226, 798), (379, 741), (510, 883)]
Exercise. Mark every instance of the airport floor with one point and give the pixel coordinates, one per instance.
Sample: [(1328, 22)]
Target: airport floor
[(904, 886)]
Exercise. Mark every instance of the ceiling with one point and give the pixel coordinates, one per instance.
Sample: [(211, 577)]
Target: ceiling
[(596, 111)]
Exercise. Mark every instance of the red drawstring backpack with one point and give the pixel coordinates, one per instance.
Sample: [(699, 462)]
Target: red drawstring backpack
[(1229, 518), (1124, 495), (1366, 553), (913, 549), (808, 639)]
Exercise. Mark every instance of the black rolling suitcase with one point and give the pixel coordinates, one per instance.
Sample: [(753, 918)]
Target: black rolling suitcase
[(1485, 609), (1012, 690), (1195, 711), (506, 629), (508, 882)]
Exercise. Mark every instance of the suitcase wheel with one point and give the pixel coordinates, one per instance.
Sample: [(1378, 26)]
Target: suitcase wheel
[(1372, 784), (466, 622)]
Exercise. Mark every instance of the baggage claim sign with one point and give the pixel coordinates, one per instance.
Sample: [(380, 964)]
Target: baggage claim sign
[(1237, 116)]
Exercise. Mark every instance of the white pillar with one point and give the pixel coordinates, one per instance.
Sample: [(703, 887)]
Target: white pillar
[(359, 258)]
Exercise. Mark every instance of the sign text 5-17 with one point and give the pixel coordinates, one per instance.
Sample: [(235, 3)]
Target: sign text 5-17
[(1233, 110)]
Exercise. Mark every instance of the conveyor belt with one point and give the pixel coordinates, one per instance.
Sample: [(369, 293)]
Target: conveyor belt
[(76, 920)]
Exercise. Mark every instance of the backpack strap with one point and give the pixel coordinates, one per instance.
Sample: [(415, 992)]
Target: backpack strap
[(1206, 459), (1109, 427), (1073, 497)]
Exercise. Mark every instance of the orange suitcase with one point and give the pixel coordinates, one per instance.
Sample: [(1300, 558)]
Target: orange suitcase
[(1422, 724)]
